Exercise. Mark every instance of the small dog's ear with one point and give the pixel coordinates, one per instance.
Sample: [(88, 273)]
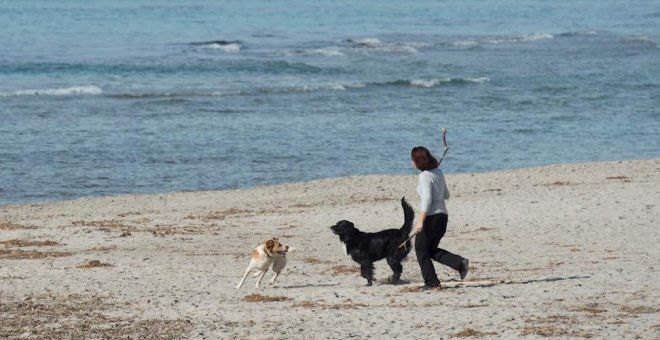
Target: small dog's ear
[(275, 239), (270, 244)]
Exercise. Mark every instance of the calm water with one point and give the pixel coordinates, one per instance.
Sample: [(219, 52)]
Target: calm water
[(109, 97)]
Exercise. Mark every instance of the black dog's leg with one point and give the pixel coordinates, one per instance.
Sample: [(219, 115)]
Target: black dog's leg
[(397, 268), (367, 269)]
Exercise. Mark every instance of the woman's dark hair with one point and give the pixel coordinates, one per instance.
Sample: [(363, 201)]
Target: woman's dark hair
[(423, 159)]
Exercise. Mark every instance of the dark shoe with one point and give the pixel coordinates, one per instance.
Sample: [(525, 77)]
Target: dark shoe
[(430, 287), (463, 270)]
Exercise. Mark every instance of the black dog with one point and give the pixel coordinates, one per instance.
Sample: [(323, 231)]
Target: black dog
[(367, 248)]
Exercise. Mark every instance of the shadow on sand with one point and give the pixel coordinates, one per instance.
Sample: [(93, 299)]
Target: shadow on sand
[(485, 283), (311, 285)]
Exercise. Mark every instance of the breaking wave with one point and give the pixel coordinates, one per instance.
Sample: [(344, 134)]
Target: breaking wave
[(374, 44), (227, 46), (64, 91), (504, 40), (305, 88), (332, 51), (430, 83)]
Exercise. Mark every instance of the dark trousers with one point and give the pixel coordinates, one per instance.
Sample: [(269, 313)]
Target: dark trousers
[(426, 248)]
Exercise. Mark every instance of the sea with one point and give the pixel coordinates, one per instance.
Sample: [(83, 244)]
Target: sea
[(103, 98)]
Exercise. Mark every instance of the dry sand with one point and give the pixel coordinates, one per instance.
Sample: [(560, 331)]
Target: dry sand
[(565, 251)]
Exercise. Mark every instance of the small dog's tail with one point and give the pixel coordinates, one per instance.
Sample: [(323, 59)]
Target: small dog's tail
[(408, 217)]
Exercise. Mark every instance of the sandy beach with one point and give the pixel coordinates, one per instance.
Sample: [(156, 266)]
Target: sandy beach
[(557, 251)]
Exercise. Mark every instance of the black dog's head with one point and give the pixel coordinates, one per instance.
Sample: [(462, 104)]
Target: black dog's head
[(344, 229)]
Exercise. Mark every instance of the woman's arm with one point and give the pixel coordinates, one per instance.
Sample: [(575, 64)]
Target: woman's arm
[(420, 222), (425, 193)]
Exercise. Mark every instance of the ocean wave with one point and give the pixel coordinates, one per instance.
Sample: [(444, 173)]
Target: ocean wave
[(231, 48), (414, 83), (522, 38), (503, 40), (366, 42), (430, 83), (304, 88), (301, 88), (172, 96), (200, 66), (465, 43), (333, 87), (227, 46), (64, 91), (642, 40), (332, 51), (577, 33), (374, 44)]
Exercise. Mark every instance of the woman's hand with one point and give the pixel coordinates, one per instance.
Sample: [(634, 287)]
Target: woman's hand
[(419, 226)]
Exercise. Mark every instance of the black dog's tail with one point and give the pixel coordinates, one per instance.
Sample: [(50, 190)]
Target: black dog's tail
[(408, 217)]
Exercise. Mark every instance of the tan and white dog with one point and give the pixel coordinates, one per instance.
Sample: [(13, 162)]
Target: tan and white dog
[(270, 252)]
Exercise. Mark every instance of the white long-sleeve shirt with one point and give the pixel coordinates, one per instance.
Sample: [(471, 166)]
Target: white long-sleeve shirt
[(432, 191)]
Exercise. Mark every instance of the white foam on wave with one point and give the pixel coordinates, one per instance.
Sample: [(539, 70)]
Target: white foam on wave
[(227, 48), (222, 93), (537, 36), (392, 48), (417, 44), (374, 44), (504, 40), (357, 85), (368, 42), (289, 89), (327, 51), (641, 38), (523, 38), (429, 83), (400, 48), (465, 43), (479, 80), (65, 91), (332, 87), (331, 51)]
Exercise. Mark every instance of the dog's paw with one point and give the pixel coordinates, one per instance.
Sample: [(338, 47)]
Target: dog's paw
[(392, 280)]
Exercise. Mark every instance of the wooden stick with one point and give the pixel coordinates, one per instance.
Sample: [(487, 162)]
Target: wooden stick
[(445, 147), (403, 245)]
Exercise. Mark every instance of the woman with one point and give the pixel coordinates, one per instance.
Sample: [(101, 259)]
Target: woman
[(432, 220)]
